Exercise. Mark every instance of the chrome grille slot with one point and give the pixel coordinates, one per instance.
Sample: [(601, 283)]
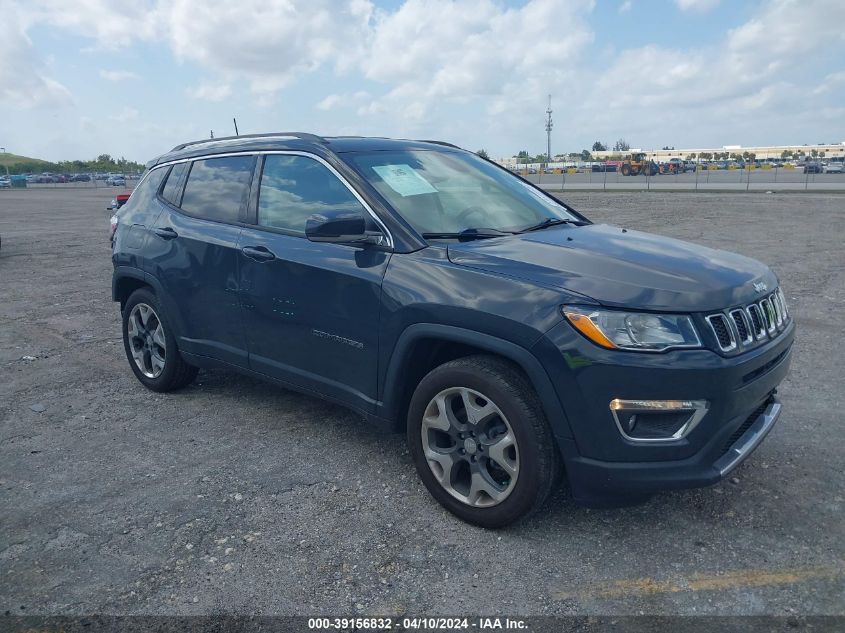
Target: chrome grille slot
[(768, 315), (722, 329), (756, 317), (742, 327), (779, 318), (782, 299)]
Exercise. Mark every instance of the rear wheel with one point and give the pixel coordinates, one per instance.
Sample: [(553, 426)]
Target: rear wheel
[(626, 170), (151, 346), (480, 441)]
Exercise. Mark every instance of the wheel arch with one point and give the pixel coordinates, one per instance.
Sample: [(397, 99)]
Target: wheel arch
[(424, 346), (127, 279)]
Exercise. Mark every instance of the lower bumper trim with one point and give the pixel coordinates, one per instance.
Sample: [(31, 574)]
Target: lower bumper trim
[(749, 440)]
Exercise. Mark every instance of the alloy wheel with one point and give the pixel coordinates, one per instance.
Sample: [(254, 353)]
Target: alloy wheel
[(146, 340), (470, 447)]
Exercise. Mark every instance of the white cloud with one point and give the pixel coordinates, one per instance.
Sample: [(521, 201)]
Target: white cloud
[(754, 77), (125, 115), (626, 6), (111, 24), (434, 53), (267, 43), (329, 102), (23, 83), (336, 101), (211, 91), (697, 6), (117, 75), (830, 82)]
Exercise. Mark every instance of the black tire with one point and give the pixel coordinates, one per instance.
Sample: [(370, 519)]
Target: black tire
[(626, 169), (503, 384), (176, 373)]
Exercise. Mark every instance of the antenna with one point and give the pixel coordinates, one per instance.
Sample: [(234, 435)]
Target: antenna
[(235, 121), (212, 133), (549, 126)]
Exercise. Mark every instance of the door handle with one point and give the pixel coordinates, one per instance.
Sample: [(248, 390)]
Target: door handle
[(165, 232), (258, 253)]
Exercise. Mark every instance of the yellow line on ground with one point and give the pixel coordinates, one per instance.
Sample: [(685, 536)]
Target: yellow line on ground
[(707, 582)]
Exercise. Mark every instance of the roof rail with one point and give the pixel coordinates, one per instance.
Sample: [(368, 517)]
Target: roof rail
[(301, 135), (439, 143)]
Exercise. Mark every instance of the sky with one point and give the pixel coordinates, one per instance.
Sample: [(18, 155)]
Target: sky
[(134, 78)]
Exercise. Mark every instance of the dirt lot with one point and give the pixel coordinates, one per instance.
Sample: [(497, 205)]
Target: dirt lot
[(236, 496)]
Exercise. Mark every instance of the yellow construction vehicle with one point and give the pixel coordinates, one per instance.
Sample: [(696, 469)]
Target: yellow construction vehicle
[(637, 165)]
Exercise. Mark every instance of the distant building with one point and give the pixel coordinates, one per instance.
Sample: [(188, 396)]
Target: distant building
[(761, 152), (831, 150)]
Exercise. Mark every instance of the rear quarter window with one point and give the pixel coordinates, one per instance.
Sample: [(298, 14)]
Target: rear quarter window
[(145, 191), (172, 187), (218, 188)]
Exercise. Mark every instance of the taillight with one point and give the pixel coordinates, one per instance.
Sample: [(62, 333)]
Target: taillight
[(113, 227)]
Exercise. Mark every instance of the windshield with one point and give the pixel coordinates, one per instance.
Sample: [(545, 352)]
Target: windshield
[(450, 192)]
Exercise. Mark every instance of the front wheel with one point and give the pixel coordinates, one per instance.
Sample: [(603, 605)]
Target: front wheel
[(480, 441)]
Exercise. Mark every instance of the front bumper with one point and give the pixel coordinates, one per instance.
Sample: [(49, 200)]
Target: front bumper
[(605, 468), (595, 482)]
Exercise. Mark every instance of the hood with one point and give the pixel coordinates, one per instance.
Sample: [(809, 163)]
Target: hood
[(622, 268)]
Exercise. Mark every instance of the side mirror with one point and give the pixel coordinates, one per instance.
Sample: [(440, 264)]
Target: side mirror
[(340, 227)]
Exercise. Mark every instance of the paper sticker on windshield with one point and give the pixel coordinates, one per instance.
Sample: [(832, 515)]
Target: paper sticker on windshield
[(404, 180), (537, 194)]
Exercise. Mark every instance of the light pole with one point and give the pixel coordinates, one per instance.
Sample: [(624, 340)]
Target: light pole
[(549, 126)]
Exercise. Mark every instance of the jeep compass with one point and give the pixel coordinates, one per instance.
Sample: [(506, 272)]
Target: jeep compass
[(434, 292)]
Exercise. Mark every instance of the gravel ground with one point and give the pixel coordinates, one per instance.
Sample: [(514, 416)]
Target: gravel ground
[(240, 497)]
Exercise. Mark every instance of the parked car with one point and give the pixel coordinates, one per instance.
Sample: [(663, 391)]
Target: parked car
[(116, 181), (672, 166), (435, 292), (80, 178), (5, 183), (833, 168), (812, 167), (118, 201)]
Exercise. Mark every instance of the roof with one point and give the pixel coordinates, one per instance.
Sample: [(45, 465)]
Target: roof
[(294, 141)]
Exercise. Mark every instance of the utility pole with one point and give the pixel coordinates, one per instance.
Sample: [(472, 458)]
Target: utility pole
[(549, 126)]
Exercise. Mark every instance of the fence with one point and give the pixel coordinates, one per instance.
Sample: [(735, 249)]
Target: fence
[(749, 178)]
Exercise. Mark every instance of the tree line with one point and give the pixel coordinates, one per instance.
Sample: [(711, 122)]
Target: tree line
[(102, 164)]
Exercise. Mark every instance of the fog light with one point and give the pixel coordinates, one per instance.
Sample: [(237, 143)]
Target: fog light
[(657, 420)]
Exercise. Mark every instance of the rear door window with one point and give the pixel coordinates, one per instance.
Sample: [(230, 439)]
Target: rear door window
[(218, 188)]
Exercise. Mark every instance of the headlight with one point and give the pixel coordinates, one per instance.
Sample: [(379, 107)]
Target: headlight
[(633, 330)]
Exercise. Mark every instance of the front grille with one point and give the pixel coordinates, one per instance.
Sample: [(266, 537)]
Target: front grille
[(744, 325)]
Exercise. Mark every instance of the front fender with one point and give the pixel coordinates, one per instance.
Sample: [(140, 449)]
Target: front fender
[(392, 389)]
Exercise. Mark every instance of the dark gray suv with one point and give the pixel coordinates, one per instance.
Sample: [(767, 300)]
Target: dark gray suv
[(434, 292)]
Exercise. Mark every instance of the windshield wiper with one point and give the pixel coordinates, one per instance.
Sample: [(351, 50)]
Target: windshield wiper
[(467, 234), (551, 222)]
